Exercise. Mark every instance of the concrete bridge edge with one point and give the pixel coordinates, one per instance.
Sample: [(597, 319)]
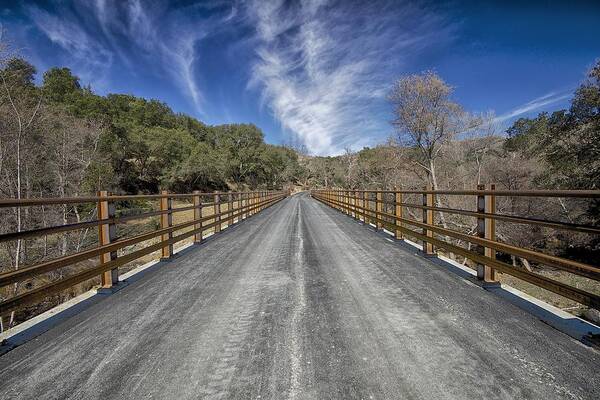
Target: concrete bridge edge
[(45, 321), (560, 320)]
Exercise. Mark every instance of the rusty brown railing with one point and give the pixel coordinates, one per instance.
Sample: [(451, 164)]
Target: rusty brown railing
[(240, 205), (372, 206)]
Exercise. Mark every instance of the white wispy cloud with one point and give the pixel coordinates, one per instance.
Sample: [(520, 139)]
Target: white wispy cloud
[(324, 67), (535, 104), (90, 57), (164, 38)]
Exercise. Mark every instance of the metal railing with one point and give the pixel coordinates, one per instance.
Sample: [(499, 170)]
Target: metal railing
[(373, 206), (240, 205)]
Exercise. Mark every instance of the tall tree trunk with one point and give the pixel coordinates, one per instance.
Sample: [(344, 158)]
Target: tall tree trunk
[(435, 186), (19, 222)]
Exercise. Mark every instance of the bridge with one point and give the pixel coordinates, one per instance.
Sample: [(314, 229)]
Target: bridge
[(299, 301)]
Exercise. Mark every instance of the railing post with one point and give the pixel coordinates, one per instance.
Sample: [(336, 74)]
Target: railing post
[(367, 206), (490, 231), (372, 207), (336, 198), (249, 204), (331, 204), (229, 209), (428, 200), (361, 203), (258, 201), (333, 198), (379, 209), (348, 203), (364, 206), (239, 207), (480, 230), (398, 214), (106, 235), (486, 228), (166, 221), (197, 216), (373, 213), (217, 211)]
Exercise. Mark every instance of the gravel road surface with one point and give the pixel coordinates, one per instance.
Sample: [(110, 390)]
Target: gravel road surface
[(301, 302)]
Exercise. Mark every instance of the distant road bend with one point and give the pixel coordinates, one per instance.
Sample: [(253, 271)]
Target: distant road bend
[(301, 303)]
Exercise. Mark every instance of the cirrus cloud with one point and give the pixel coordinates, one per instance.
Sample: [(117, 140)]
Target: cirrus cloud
[(324, 67)]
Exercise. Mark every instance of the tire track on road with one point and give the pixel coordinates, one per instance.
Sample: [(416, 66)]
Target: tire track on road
[(418, 319)]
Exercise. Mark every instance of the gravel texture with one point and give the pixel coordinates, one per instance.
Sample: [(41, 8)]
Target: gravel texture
[(301, 302)]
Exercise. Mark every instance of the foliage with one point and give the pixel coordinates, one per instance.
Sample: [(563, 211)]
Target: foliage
[(144, 146), (567, 141)]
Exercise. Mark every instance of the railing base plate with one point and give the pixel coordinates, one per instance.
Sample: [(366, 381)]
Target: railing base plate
[(112, 289)]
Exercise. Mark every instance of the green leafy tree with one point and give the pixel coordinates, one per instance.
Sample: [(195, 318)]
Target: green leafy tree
[(60, 85), (568, 141)]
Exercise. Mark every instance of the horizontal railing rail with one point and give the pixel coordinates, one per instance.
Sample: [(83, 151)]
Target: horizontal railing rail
[(588, 194), (240, 205), (371, 206)]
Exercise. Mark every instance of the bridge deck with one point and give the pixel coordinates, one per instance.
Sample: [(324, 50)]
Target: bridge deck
[(301, 302)]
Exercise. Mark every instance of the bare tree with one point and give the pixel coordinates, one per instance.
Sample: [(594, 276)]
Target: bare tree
[(72, 146), (350, 161), (427, 119), (21, 110)]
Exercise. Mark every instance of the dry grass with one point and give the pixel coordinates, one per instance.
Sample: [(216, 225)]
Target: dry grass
[(178, 218), (547, 296), (550, 297)]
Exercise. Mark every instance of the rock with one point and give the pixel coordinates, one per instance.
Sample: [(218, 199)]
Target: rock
[(592, 315)]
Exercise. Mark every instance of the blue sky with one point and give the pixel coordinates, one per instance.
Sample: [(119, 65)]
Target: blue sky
[(313, 72)]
